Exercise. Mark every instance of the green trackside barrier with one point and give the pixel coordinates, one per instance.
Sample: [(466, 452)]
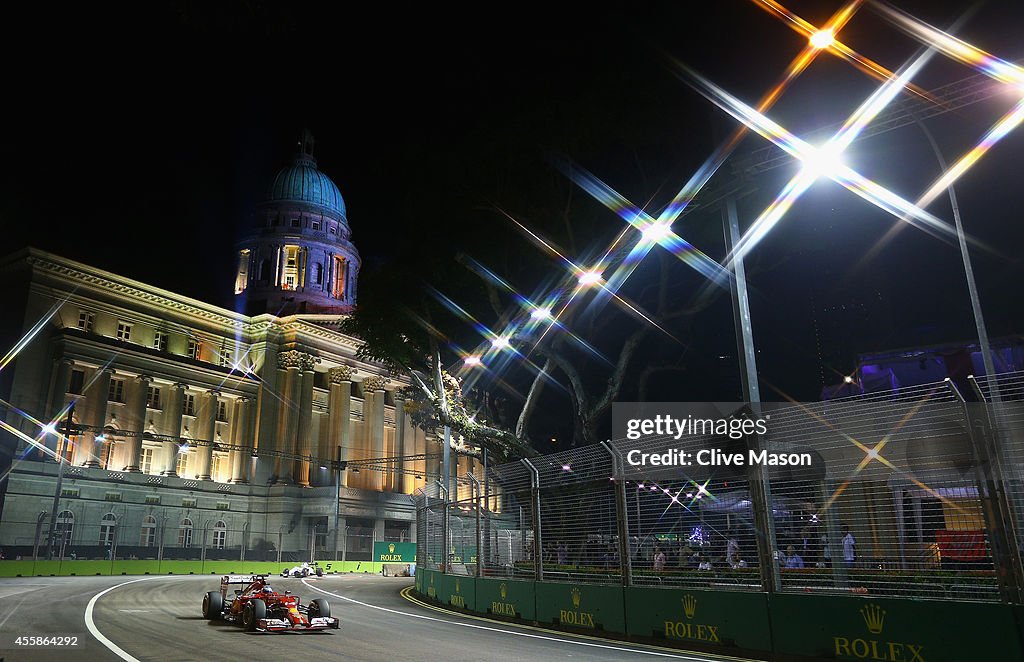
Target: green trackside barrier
[(892, 630), (582, 606), (728, 619), (506, 598), (81, 568), (455, 591)]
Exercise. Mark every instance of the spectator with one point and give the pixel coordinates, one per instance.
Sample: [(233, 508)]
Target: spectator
[(2, 557), (563, 554), (849, 543), (793, 560), (74, 556), (732, 545), (826, 552), (736, 562), (659, 560)]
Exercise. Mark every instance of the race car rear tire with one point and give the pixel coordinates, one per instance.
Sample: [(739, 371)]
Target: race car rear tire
[(213, 606), (319, 608), (254, 611)]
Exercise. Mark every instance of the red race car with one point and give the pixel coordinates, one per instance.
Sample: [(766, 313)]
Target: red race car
[(260, 608)]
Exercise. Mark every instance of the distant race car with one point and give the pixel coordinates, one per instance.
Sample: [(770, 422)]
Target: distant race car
[(304, 570), (260, 608)]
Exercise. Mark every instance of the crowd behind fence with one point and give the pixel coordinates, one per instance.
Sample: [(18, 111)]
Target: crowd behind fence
[(916, 492)]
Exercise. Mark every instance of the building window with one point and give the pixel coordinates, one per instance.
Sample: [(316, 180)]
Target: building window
[(194, 349), (64, 527), (108, 524), (147, 536), (152, 499), (112, 496), (316, 224), (220, 534), (340, 275), (225, 357), (116, 393), (217, 463), (85, 321), (222, 410), (153, 397), (185, 533), (146, 460), (182, 464), (318, 273), (188, 405), (77, 382), (160, 340), (124, 331), (188, 503), (242, 279), (291, 274), (223, 505), (333, 230)]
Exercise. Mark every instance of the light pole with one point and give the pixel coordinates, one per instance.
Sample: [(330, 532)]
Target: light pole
[(60, 482), (972, 288)]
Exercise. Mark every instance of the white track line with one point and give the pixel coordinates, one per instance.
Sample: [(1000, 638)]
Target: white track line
[(117, 650), (513, 633)]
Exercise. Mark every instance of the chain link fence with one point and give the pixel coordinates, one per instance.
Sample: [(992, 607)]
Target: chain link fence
[(915, 492)]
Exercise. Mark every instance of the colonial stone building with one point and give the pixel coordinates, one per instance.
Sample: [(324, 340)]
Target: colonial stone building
[(199, 429)]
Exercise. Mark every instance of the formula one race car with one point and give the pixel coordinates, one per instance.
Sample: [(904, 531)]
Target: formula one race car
[(304, 570), (260, 608)]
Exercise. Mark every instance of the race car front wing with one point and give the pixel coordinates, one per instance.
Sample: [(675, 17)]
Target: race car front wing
[(280, 624)]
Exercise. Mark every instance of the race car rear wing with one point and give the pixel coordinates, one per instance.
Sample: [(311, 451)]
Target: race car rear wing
[(236, 579)]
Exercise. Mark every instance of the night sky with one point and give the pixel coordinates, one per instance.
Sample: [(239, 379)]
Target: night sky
[(139, 140)]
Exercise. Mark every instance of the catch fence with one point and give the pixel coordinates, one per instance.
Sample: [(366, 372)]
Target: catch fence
[(916, 492)]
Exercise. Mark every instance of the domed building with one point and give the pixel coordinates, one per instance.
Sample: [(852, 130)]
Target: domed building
[(300, 257), (200, 432)]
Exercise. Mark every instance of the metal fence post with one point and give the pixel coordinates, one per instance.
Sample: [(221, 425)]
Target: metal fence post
[(538, 550), (621, 518), (761, 501), (479, 531), (995, 509), (444, 528)]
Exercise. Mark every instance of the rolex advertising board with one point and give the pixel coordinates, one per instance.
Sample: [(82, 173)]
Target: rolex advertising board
[(710, 618), (394, 552), (890, 630)]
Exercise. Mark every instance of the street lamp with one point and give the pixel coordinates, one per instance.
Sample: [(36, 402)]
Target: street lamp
[(60, 481)]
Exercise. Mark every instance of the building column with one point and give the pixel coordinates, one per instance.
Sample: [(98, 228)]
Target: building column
[(136, 422), (339, 420), (242, 436), (99, 393), (206, 424), (290, 363), (288, 378), (404, 478), (301, 467), (375, 418), (172, 427), (61, 384)]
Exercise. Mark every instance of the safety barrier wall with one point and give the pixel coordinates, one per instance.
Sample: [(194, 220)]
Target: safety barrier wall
[(784, 625), (67, 568)]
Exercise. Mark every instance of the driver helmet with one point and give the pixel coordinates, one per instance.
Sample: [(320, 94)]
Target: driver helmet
[(267, 589)]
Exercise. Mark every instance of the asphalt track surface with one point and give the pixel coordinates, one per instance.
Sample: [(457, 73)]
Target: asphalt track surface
[(159, 618)]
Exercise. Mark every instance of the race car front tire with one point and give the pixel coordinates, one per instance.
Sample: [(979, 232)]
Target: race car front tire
[(213, 606), (254, 612), (319, 608)]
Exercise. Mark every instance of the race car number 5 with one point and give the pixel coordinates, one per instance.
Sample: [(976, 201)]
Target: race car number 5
[(36, 640)]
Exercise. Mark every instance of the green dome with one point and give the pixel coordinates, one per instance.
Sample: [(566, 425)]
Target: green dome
[(303, 182)]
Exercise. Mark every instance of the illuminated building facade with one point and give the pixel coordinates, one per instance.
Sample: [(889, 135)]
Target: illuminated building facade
[(203, 427)]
